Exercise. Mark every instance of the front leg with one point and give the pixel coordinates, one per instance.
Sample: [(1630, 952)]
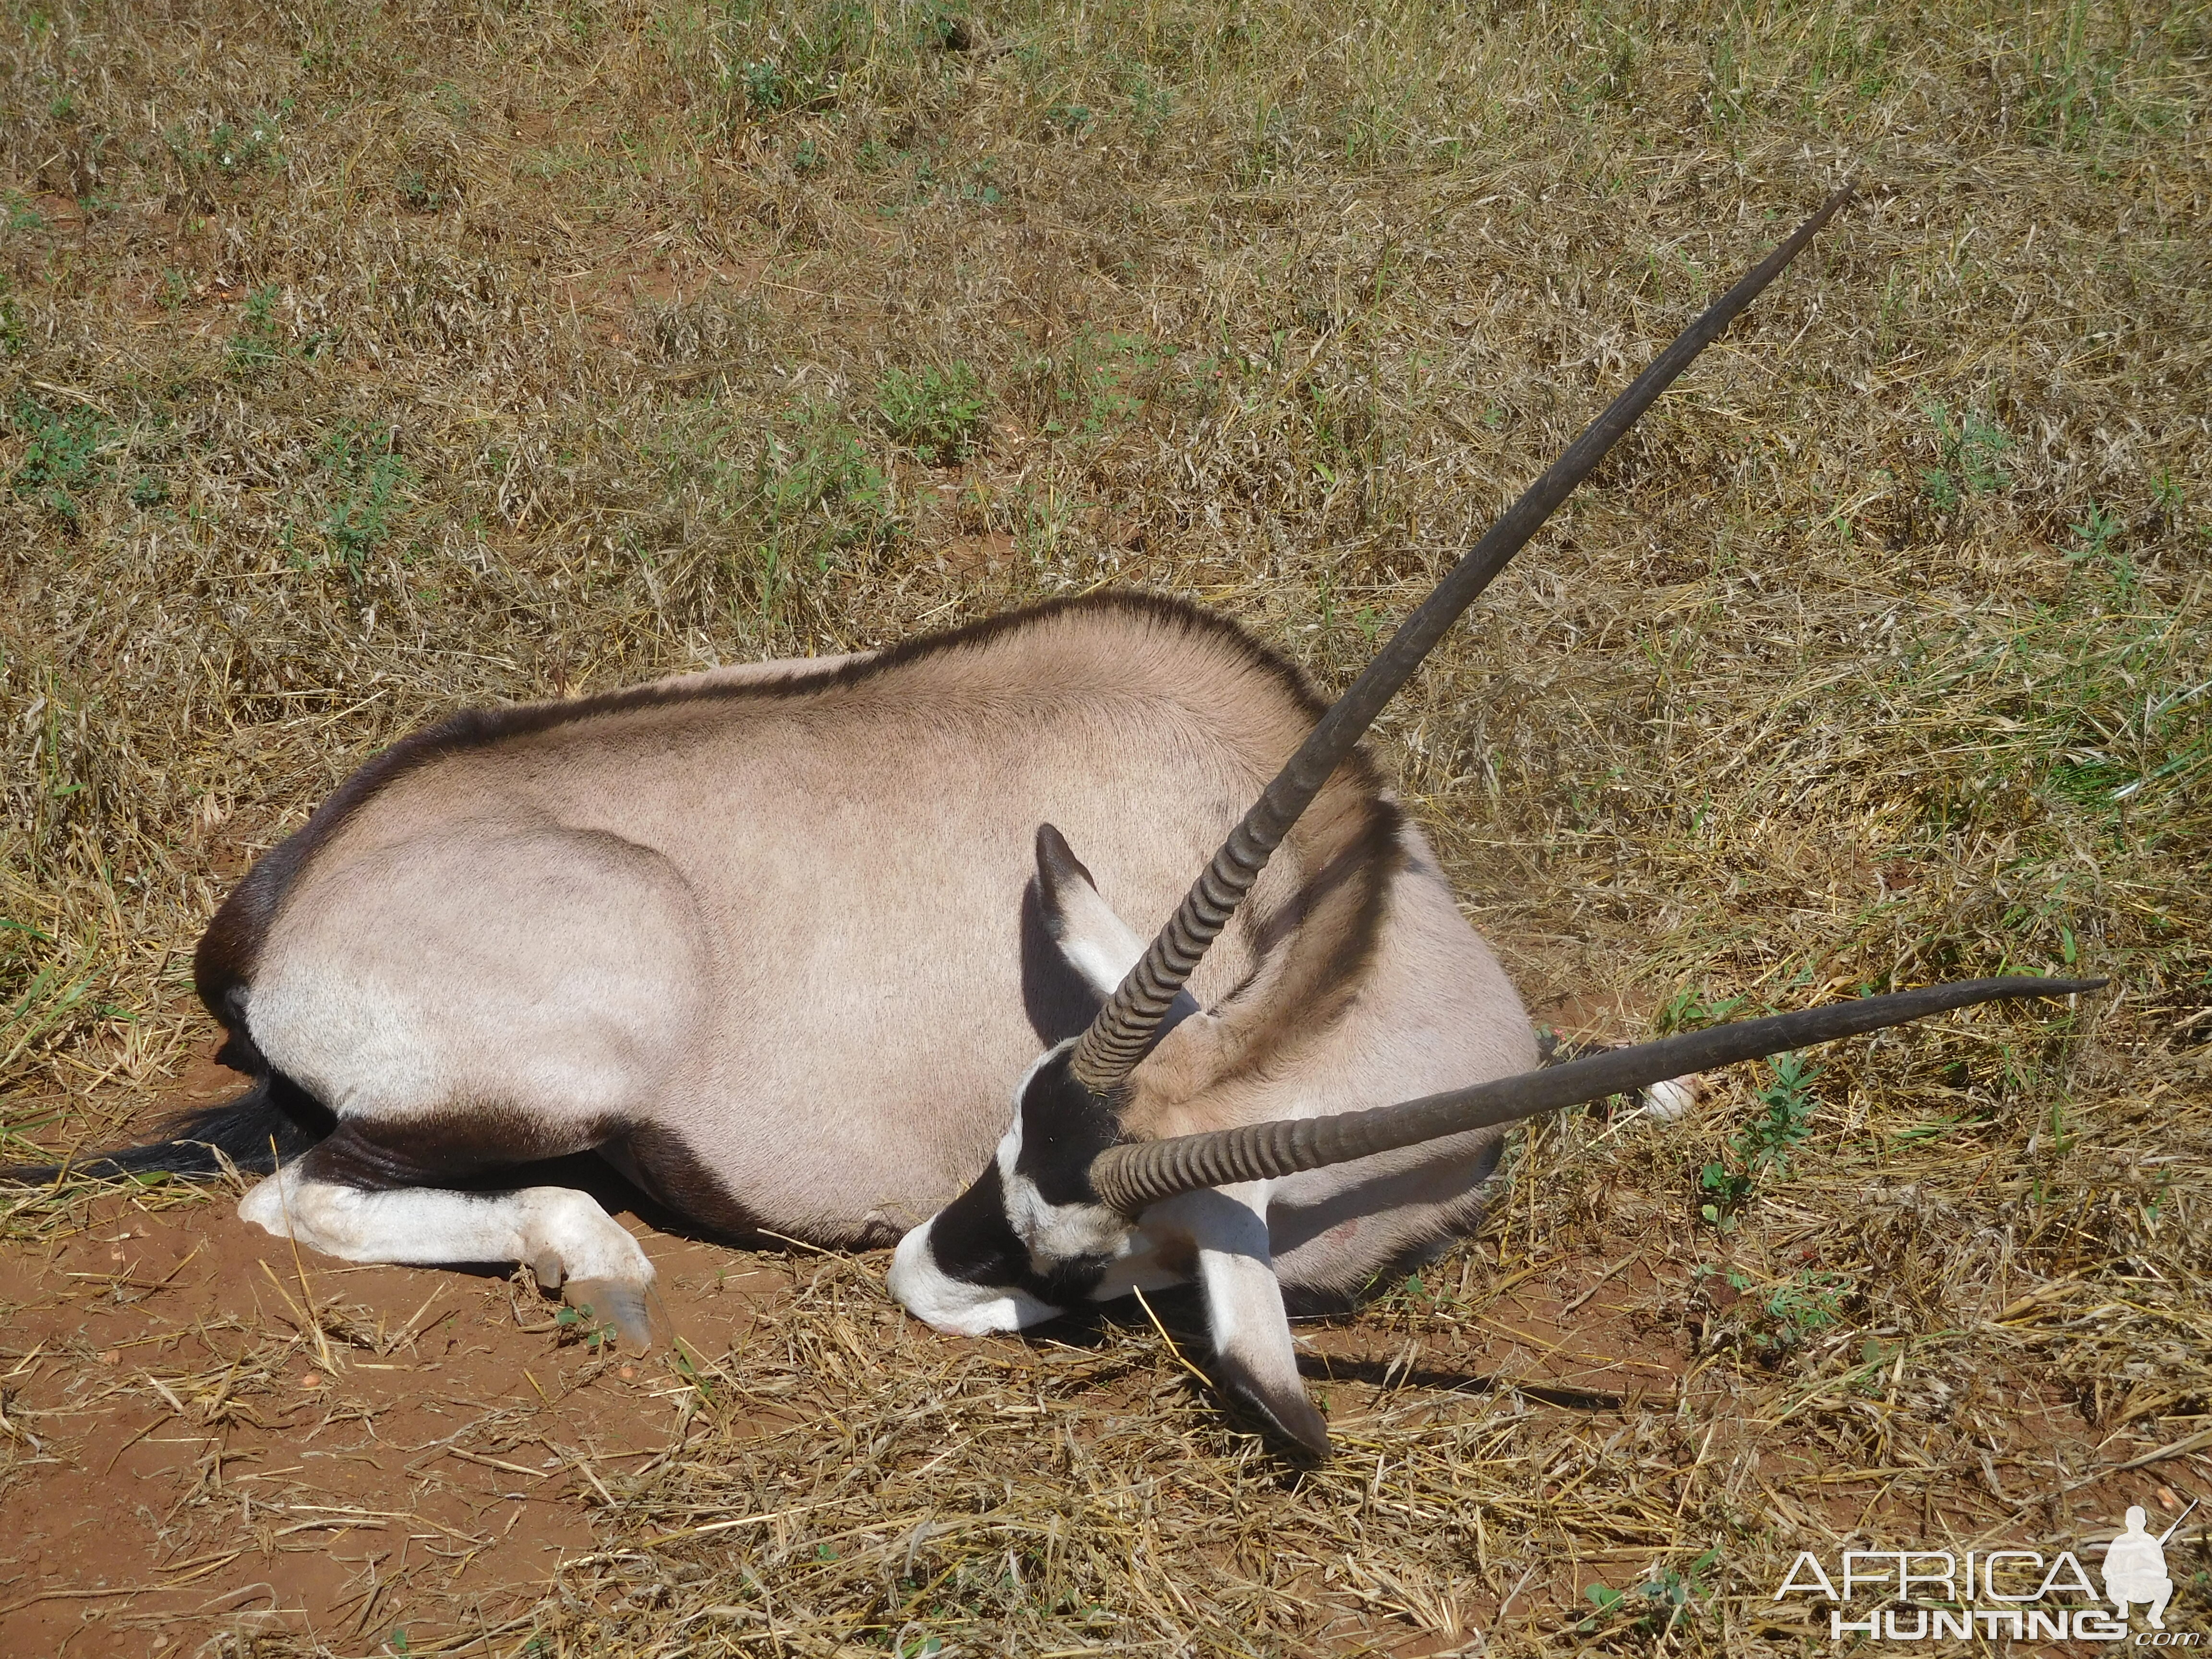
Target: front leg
[(1253, 1351)]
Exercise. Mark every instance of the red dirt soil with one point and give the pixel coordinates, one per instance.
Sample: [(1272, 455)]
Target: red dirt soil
[(444, 1469)]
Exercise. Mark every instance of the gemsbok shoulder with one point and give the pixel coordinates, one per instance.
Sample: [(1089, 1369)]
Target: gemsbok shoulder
[(780, 942)]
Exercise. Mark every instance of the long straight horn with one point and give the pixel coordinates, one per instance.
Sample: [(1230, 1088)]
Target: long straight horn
[(1118, 1038), (1130, 1176)]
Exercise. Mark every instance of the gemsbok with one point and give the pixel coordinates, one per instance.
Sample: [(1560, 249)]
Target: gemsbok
[(778, 941)]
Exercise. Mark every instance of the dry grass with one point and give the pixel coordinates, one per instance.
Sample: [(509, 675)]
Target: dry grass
[(362, 362)]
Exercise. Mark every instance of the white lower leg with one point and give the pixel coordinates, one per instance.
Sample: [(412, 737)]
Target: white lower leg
[(564, 1236), (1251, 1334)]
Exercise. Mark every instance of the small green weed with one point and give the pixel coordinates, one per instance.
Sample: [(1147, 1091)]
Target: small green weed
[(1731, 1190), (1763, 1146), (1801, 1305), (817, 463), (2118, 723), (1271, 150), (234, 150), (574, 1325), (977, 187), (805, 68), (1152, 101), (1413, 1295), (942, 28), (1654, 1608), (939, 413), (66, 454), (15, 332), (255, 347), (784, 501), (1970, 450), (1097, 380), (417, 193), (364, 477), (229, 151), (811, 490), (2075, 97), (690, 1373), (1876, 1357), (1771, 1325), (1690, 1010), (768, 88), (2097, 532)]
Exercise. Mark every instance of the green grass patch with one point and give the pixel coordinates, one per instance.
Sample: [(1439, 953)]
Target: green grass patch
[(68, 449), (936, 412)]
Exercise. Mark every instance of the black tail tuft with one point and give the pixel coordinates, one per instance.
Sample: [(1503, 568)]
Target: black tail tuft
[(273, 1109)]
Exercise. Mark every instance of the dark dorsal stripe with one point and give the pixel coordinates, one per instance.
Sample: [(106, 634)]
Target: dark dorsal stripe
[(224, 963)]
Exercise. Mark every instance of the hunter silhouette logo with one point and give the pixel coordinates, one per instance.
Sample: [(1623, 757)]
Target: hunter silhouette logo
[(1934, 1595), (2135, 1568)]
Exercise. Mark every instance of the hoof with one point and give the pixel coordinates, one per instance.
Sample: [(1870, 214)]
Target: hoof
[(1296, 1418), (613, 1301), (547, 1271), (1291, 1414)]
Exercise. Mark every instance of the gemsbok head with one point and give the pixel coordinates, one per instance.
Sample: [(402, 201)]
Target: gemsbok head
[(1087, 1198)]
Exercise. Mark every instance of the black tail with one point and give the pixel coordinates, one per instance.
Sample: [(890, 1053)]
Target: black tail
[(273, 1109)]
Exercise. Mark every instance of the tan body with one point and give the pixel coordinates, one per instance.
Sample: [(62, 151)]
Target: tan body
[(769, 938)]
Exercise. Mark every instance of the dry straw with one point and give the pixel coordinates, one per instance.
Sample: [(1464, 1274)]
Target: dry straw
[(365, 363)]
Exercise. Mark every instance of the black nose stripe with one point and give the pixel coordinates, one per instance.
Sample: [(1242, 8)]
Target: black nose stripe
[(972, 1241), (971, 1238)]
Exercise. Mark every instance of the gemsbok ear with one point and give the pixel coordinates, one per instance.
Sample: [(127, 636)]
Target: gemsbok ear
[(1097, 944)]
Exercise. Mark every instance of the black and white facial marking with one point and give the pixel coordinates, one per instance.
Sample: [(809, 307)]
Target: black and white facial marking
[(1029, 1239)]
